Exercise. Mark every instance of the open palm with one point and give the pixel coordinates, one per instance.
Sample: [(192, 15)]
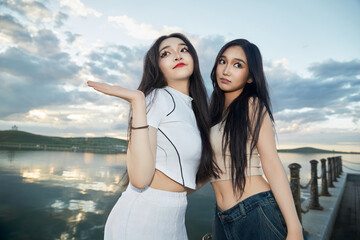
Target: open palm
[(117, 91)]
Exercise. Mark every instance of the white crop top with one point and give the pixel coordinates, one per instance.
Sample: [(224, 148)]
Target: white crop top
[(253, 164), (179, 143)]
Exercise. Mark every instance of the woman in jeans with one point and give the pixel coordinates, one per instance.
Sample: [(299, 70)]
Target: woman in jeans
[(169, 148), (242, 137)]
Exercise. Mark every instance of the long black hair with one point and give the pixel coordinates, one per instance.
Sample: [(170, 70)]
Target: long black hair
[(239, 126), (153, 78)]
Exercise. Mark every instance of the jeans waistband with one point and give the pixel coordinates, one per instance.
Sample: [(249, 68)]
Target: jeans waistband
[(248, 204)]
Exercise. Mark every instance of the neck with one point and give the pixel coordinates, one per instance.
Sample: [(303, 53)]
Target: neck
[(180, 85), (230, 97)]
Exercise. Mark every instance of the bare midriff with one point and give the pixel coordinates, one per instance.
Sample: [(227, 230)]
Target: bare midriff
[(227, 198), (162, 182)]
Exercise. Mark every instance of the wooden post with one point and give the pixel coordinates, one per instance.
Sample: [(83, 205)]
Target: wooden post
[(341, 170), (338, 166), (324, 187), (333, 169), (295, 186), (314, 193), (330, 175)]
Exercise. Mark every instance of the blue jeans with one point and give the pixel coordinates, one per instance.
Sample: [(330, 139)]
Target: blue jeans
[(256, 217)]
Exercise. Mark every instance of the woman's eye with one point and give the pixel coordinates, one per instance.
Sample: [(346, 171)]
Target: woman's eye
[(164, 54), (184, 49), (221, 61), (238, 65)]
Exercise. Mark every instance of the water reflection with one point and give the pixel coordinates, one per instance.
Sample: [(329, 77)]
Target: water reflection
[(84, 206), (58, 206), (30, 175), (84, 178), (88, 158), (11, 155), (66, 195), (57, 195), (75, 178)]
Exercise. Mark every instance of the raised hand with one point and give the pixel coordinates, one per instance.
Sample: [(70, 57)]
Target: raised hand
[(141, 154), (131, 96)]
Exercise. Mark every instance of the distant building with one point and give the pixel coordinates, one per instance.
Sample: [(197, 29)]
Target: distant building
[(15, 128)]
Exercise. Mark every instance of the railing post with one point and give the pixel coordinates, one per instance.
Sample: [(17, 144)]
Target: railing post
[(341, 170), (330, 175), (295, 186), (338, 164), (333, 169), (336, 167), (324, 187), (314, 193)]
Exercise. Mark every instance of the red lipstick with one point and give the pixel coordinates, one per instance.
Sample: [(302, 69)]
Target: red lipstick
[(179, 65)]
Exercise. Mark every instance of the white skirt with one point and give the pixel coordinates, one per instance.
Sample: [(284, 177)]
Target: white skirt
[(147, 214)]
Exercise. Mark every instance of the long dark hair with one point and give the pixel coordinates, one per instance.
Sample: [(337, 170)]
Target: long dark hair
[(239, 127), (153, 78)]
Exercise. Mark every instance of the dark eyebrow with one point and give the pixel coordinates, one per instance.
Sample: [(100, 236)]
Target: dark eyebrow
[(240, 60), (164, 48), (237, 59), (181, 44)]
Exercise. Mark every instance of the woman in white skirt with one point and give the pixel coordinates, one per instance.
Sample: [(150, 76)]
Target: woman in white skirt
[(169, 149)]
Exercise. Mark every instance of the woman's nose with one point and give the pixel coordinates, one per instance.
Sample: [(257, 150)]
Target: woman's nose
[(178, 57), (226, 70)]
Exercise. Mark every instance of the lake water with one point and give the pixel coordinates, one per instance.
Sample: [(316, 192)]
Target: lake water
[(66, 195)]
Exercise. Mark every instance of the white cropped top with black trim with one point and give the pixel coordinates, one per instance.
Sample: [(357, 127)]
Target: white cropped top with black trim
[(179, 144)]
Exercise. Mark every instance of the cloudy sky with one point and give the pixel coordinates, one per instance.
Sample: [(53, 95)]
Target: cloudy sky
[(49, 49)]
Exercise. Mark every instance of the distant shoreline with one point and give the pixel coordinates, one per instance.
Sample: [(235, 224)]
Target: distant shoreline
[(16, 147), (19, 140), (311, 150), (116, 151)]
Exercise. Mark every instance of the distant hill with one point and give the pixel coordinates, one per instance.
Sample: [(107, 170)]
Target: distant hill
[(312, 150), (93, 144), (15, 139)]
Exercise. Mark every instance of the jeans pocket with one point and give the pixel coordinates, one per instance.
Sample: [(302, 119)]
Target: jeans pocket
[(271, 217), (281, 218)]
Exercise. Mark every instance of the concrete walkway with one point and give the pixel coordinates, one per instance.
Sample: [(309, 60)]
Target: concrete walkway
[(319, 223), (347, 224)]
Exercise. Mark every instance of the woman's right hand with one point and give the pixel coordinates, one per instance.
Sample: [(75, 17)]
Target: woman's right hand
[(132, 96)]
